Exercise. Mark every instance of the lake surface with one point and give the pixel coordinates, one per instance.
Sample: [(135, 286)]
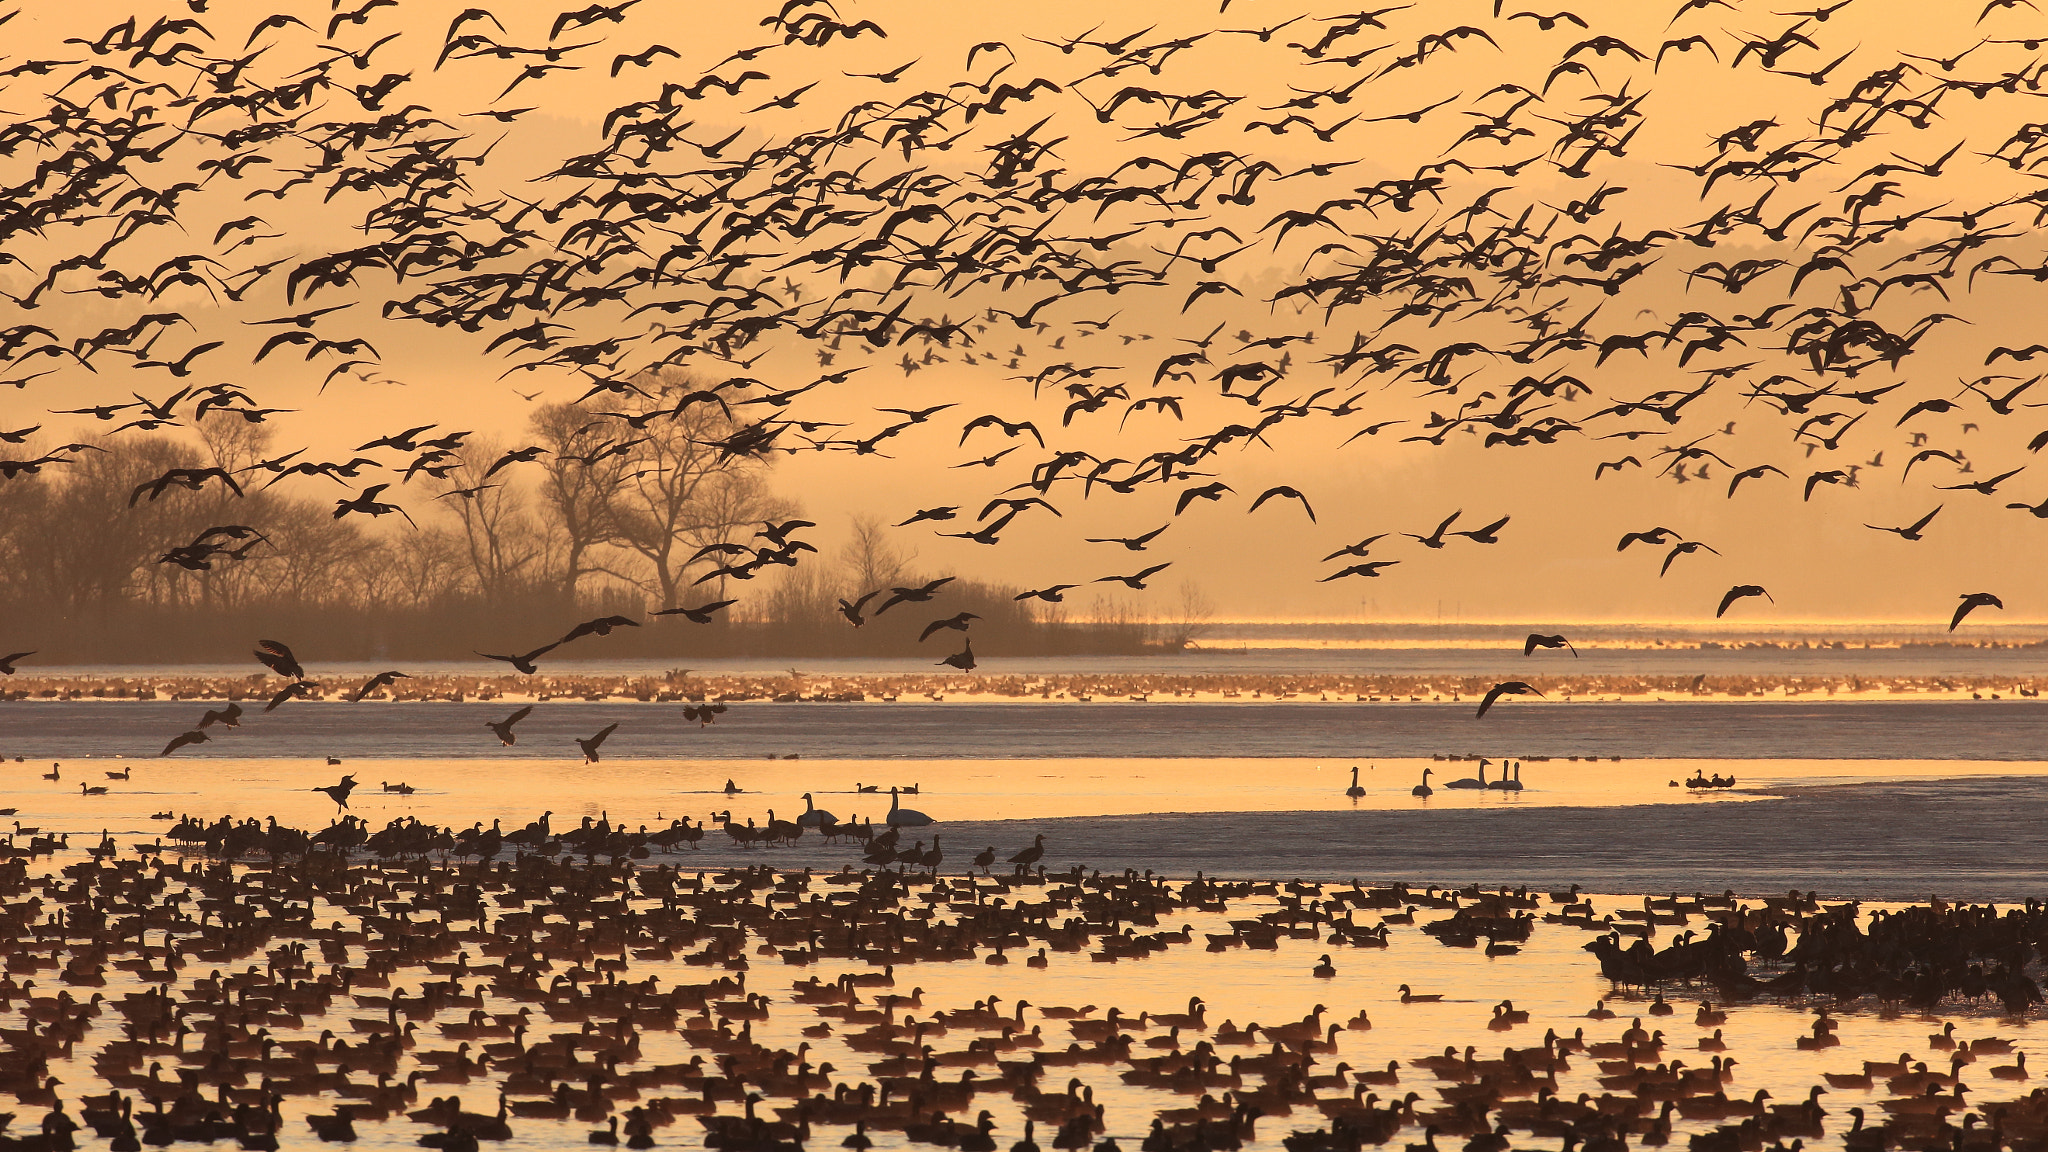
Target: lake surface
[(1844, 730), (1501, 662)]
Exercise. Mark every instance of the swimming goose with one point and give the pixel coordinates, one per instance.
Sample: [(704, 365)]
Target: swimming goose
[(814, 817), (1408, 996), (1471, 782), (1324, 970), (900, 817)]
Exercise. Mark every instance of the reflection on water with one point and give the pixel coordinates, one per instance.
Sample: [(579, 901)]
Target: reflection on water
[(1552, 978), (461, 792), (2013, 730)]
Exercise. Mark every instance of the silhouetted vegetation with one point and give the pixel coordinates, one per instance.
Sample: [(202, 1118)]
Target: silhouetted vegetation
[(479, 558)]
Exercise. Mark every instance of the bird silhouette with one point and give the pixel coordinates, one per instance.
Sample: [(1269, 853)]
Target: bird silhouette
[(503, 728), (525, 663), (963, 659), (380, 680), (1538, 640), (1972, 601), (335, 792), (1739, 592), (591, 744), (1509, 688)]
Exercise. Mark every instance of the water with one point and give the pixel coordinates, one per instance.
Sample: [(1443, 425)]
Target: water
[(1878, 799), (2012, 730), (1501, 661)]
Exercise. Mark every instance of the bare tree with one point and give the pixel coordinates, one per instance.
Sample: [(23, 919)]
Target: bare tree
[(1191, 617), (679, 490), (870, 560), (576, 493), (499, 541)]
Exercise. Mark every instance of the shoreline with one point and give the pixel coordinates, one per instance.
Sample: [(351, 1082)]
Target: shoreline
[(1081, 688)]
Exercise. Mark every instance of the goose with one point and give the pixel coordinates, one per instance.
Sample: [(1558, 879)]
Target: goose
[(1324, 970), (2017, 1070), (1355, 791), (1422, 789), (900, 817), (608, 1135), (1408, 996), (85, 790), (1470, 782), (814, 817), (121, 775)]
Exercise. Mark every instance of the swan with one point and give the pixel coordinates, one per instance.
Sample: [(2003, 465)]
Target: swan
[(1514, 785), (1354, 791), (1422, 789), (1469, 782), (900, 817), (814, 817)]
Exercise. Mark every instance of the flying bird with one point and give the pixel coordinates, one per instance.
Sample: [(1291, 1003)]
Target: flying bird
[(337, 792), (1510, 688), (503, 728), (956, 623), (1973, 601), (1291, 494), (380, 680), (1136, 582), (1538, 640), (1911, 531), (184, 740), (524, 663), (701, 614), (600, 627), (590, 746), (279, 659), (1737, 593)]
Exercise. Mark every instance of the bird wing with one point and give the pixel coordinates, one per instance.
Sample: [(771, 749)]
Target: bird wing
[(1492, 694)]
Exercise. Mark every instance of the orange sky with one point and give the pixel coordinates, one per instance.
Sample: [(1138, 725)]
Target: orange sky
[(1556, 559)]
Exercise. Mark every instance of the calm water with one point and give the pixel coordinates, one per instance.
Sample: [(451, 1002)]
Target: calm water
[(1503, 661), (1553, 979), (1863, 730)]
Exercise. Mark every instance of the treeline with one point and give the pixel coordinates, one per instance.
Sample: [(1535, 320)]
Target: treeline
[(90, 567)]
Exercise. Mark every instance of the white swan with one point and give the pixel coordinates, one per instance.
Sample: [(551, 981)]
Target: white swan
[(900, 817), (814, 816), (1469, 782), (1355, 791)]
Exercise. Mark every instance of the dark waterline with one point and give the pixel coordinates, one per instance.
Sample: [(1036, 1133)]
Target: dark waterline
[(1867, 730)]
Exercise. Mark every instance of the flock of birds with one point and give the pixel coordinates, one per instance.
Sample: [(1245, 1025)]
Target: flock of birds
[(938, 215), (361, 973)]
